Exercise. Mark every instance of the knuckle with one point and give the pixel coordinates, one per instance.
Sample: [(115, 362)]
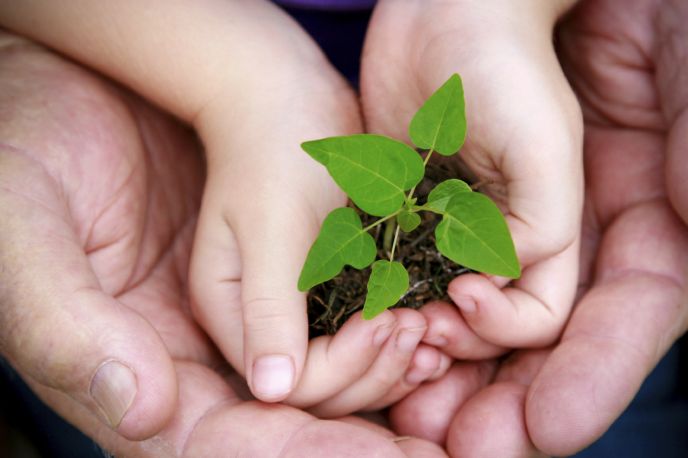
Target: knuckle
[(39, 347), (267, 314)]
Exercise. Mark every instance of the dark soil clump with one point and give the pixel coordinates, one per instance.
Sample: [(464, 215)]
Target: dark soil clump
[(332, 303)]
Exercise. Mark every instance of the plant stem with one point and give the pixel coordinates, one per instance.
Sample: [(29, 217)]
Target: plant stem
[(388, 235), (427, 158), (394, 244), (381, 220), (425, 163), (388, 228)]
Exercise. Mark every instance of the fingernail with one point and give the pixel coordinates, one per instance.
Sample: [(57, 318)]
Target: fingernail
[(272, 377), (114, 388), (382, 333), (437, 340), (408, 339), (466, 304)]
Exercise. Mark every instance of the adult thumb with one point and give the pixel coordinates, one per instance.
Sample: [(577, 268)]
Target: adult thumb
[(60, 330)]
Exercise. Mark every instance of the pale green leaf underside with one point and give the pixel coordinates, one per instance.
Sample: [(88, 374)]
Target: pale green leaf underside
[(387, 283), (440, 196), (474, 233), (373, 170), (408, 221), (440, 124), (341, 241)]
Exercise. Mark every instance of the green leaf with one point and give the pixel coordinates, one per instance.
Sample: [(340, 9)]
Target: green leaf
[(440, 124), (474, 233), (341, 241), (440, 196), (373, 170), (408, 220), (388, 282)]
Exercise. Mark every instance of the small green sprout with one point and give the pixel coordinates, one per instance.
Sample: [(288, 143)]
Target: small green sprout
[(380, 175)]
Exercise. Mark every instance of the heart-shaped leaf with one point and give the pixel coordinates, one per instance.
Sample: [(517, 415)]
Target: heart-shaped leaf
[(408, 221), (373, 170), (387, 283), (440, 124), (440, 196), (474, 233), (341, 241)]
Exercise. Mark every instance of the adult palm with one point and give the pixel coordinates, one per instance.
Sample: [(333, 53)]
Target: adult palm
[(99, 194), (625, 61)]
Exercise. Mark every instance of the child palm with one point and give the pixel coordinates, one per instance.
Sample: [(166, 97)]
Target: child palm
[(524, 140)]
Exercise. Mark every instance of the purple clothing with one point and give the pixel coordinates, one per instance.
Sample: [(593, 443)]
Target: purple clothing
[(329, 5), (338, 26)]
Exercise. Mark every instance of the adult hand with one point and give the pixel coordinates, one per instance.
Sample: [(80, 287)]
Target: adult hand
[(627, 63), (99, 194), (524, 139)]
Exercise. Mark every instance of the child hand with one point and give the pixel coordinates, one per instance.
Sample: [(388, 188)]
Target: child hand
[(252, 103), (350, 372), (263, 205), (524, 140)]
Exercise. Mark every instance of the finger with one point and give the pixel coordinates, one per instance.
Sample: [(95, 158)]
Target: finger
[(244, 281), (335, 362), (522, 366), (416, 448), (444, 365), (255, 429), (532, 313), (412, 446), (389, 367), (495, 412), (677, 165), (448, 331), (427, 364), (273, 310), (506, 403), (428, 411), (618, 332), (58, 328), (215, 286)]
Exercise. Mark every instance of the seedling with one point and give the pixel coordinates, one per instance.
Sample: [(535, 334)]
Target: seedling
[(380, 175)]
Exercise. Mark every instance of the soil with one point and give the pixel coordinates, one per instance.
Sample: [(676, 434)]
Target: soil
[(332, 303)]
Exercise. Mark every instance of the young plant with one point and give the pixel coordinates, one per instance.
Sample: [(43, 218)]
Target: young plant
[(380, 175)]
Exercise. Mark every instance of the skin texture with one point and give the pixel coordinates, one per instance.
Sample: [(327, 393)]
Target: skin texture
[(601, 330), (261, 190), (242, 298), (99, 199), (531, 163), (627, 62)]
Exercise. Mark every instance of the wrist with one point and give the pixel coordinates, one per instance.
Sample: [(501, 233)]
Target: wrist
[(280, 108)]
